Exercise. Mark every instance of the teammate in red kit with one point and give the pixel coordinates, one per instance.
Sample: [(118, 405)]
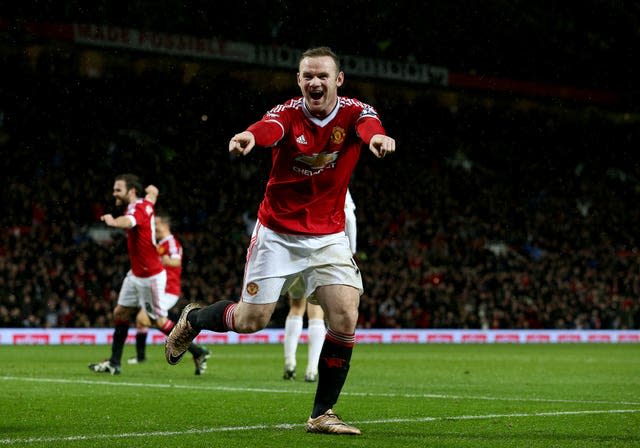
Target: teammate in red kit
[(145, 283), (169, 250), (316, 141)]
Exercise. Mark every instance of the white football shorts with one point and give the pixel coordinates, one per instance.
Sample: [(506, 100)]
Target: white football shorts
[(148, 293), (276, 260)]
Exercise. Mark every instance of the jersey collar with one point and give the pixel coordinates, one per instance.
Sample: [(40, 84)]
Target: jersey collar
[(324, 121)]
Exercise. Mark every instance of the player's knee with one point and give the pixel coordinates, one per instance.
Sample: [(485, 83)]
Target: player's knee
[(142, 323), (343, 320), (121, 313), (296, 307), (351, 319)]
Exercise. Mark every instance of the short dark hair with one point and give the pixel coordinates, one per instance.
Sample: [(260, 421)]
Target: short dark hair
[(131, 181), (321, 51), (164, 216)]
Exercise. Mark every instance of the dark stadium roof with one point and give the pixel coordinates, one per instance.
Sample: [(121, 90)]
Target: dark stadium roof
[(587, 44)]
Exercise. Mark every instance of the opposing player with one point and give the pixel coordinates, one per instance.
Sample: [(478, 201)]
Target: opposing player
[(298, 304), (316, 141), (293, 325), (170, 252), (144, 285)]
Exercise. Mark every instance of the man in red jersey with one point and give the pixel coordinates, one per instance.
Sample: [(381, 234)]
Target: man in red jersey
[(316, 141), (170, 252), (145, 283)]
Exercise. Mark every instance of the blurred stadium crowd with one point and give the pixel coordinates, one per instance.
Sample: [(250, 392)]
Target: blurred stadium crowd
[(494, 213), (491, 215)]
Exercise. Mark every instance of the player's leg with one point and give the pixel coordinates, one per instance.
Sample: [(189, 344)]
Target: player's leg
[(160, 312), (222, 316), (266, 271), (292, 332), (142, 329), (293, 328), (122, 316), (225, 315), (316, 333), (128, 305), (338, 285), (340, 304), (200, 353)]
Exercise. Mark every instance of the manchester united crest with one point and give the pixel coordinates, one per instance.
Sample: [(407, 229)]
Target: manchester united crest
[(252, 288), (337, 135)]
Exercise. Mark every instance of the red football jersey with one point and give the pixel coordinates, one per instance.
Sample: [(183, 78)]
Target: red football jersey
[(312, 163), (141, 240), (170, 245)]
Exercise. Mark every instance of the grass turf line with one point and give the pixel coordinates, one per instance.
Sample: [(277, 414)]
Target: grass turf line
[(400, 395)]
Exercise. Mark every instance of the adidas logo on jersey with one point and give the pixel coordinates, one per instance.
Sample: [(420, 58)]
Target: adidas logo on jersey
[(301, 140)]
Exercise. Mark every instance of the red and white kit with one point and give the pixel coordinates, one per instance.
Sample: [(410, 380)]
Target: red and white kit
[(171, 246), (147, 277), (303, 206)]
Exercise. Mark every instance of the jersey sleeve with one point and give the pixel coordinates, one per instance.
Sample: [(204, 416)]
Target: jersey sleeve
[(367, 127), (132, 214), (141, 213), (271, 128)]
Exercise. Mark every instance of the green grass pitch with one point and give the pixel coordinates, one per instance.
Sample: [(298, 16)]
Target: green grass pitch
[(503, 395)]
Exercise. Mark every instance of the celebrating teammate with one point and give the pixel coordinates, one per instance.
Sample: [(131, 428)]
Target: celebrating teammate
[(316, 141), (144, 284), (170, 252)]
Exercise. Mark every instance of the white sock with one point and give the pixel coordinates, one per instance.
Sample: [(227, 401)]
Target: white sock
[(292, 332), (317, 332)]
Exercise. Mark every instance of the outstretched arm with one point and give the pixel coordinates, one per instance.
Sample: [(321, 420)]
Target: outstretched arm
[(380, 145), (121, 222), (242, 143)]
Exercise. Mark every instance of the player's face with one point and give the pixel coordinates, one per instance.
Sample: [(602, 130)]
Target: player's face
[(120, 192), (319, 81)]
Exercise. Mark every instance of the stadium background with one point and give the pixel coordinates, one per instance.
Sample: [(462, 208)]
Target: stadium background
[(511, 203)]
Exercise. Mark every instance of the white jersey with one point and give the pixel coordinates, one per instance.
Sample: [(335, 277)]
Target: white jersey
[(348, 202), (350, 227)]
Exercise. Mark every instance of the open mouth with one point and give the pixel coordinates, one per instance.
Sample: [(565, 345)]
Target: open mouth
[(316, 95)]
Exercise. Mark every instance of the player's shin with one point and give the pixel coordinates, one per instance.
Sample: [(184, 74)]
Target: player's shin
[(119, 338), (332, 370), (217, 317)]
